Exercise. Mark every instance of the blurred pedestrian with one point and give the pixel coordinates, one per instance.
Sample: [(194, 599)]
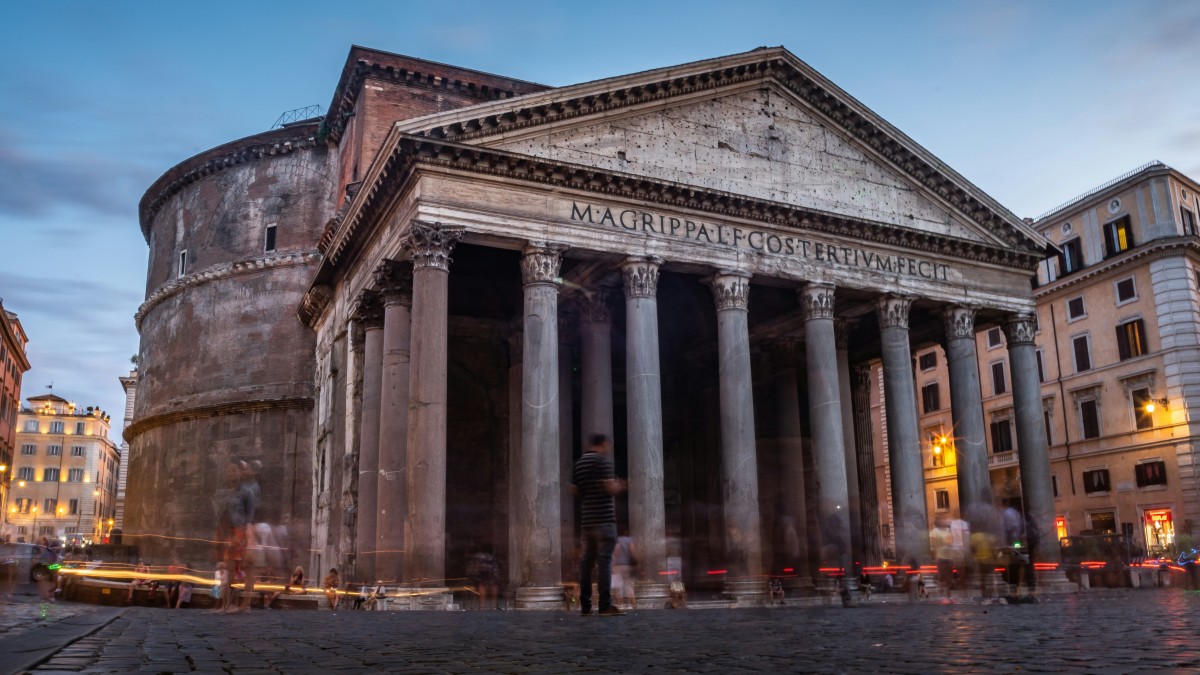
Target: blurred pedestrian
[(942, 542), (595, 482), (625, 570), (483, 571)]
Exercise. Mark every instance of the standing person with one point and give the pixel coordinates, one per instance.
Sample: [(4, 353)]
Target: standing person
[(625, 568), (595, 483)]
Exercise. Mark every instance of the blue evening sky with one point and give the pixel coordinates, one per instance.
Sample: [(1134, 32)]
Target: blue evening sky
[(1034, 102)]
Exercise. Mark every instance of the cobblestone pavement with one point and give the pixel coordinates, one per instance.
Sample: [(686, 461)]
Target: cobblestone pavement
[(1104, 632), (25, 614)]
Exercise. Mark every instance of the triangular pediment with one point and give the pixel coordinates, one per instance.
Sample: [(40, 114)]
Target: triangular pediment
[(762, 124)]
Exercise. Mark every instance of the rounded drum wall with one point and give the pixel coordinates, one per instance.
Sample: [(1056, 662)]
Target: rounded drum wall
[(225, 365)]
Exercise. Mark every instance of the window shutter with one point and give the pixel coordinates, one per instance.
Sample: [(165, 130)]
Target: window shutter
[(1110, 247), (1123, 341)]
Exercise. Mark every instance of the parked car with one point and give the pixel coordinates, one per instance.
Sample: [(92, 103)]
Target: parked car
[(29, 561), (1105, 558)]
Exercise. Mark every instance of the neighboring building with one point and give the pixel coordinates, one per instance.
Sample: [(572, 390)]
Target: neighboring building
[(65, 473), (432, 397), (13, 365), (1118, 354), (129, 384)]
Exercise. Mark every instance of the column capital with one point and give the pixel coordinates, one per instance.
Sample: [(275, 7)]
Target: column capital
[(368, 310), (841, 333), (1020, 329), (731, 289), (640, 275), (960, 322), (816, 300), (540, 263), (595, 306), (862, 377), (893, 311), (430, 244), (393, 278)]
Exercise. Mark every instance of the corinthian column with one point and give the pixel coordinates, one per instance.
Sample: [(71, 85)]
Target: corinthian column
[(395, 282), (595, 337), (538, 528), (739, 461), (866, 466), (904, 442), (825, 420), (791, 452), (966, 409), (371, 315), (643, 411), (841, 331), (429, 245), (1032, 451)]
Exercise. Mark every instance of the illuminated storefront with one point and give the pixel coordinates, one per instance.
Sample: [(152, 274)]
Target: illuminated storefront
[(1159, 529)]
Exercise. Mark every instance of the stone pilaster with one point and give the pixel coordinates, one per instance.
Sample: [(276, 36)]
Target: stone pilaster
[(825, 420), (739, 461), (904, 439), (539, 543), (429, 245), (394, 280), (643, 396), (966, 408)]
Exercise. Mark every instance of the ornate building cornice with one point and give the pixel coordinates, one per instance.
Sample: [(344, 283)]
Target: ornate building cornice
[(540, 263), (960, 322), (731, 289), (1021, 329), (144, 424), (217, 273), (893, 311), (816, 300), (640, 276), (314, 303), (430, 244)]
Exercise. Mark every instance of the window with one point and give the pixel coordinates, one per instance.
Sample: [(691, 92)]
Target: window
[(56, 427), (1126, 290), (1189, 221), (1054, 484), (1104, 523), (77, 451), (28, 449), (929, 398), (1070, 257), (1151, 473), (75, 476), (269, 244), (1083, 353), (73, 507), (1075, 309), (993, 338), (1142, 418), (49, 475), (1089, 416), (24, 504), (1001, 436), (182, 269), (1041, 368), (999, 384), (1046, 421), (942, 497), (1095, 480), (49, 505), (80, 428), (71, 529), (31, 426), (927, 361), (1131, 339), (23, 529), (25, 473), (1118, 236), (46, 529), (54, 450)]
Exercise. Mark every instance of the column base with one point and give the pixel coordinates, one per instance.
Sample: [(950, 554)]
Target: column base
[(651, 595), (1055, 581), (419, 598), (748, 593), (799, 585), (541, 598)]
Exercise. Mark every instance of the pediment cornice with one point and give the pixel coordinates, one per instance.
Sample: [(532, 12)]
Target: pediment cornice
[(775, 66), (391, 175)]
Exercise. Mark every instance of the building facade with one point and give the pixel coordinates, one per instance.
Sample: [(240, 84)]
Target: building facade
[(13, 365), (701, 262), (65, 473), (1118, 356)]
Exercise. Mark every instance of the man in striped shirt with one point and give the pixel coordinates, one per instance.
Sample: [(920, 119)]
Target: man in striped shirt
[(595, 484)]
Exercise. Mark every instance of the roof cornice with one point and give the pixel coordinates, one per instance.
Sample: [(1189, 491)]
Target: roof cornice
[(775, 64), (1156, 248), (389, 177)]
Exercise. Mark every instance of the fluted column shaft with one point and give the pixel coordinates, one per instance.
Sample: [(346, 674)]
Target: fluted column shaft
[(368, 456), (396, 281), (429, 246), (643, 396), (904, 439), (1033, 452), (825, 420), (537, 516), (966, 409), (739, 462)]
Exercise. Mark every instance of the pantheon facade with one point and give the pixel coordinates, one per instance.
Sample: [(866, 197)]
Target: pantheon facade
[(411, 312)]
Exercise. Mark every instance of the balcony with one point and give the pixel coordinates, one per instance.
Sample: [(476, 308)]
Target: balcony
[(1002, 459)]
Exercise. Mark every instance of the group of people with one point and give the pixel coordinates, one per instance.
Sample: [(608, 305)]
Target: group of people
[(1002, 538)]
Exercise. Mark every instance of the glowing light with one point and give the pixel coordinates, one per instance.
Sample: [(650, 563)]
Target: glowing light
[(712, 572), (20, 483)]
